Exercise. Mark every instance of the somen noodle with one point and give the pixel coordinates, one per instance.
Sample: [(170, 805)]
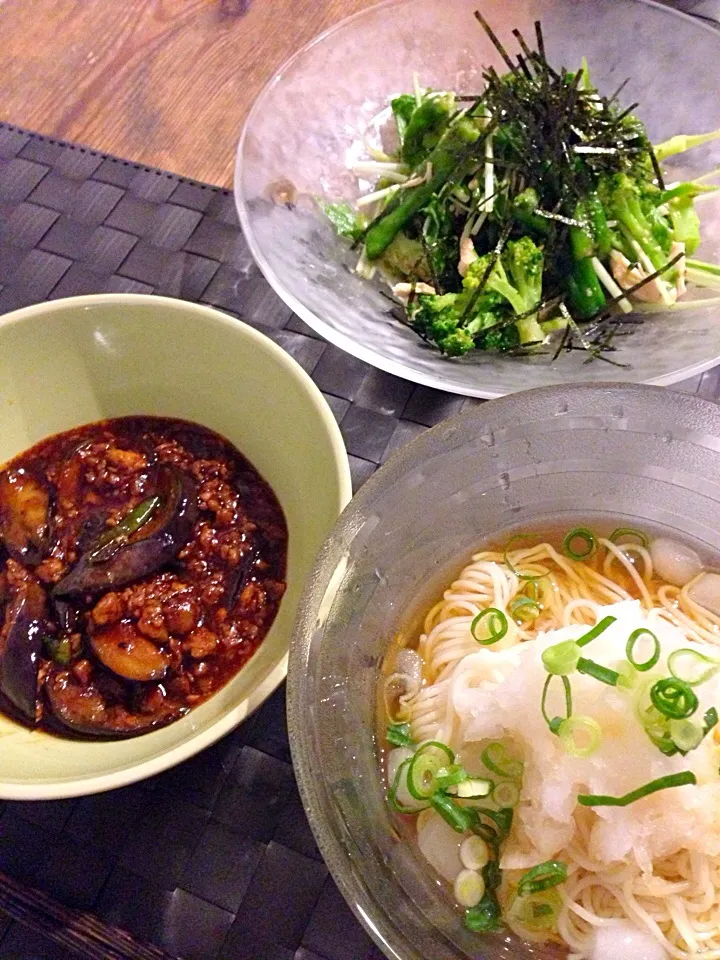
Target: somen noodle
[(560, 708)]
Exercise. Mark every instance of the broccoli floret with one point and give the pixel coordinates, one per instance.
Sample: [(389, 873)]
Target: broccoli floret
[(517, 277), (405, 257), (524, 262), (488, 311), (638, 219), (441, 320), (501, 339), (437, 318)]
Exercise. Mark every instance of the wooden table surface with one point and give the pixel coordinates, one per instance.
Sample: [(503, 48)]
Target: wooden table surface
[(162, 82)]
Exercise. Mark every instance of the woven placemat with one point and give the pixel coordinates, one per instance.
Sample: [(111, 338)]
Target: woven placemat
[(213, 860)]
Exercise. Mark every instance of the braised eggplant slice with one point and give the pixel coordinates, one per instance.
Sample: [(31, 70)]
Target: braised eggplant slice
[(155, 543), (85, 710), (24, 516), (124, 650), (21, 640)]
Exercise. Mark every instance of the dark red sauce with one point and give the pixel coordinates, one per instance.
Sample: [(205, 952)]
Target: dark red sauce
[(142, 562)]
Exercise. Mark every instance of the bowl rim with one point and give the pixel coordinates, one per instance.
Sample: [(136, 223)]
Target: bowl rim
[(257, 696), (327, 825), (341, 340)]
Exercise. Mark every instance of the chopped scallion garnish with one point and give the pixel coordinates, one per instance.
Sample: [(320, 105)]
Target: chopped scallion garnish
[(674, 698), (537, 912), (451, 776), (485, 917), (506, 794), (691, 666), (586, 540), (459, 818), (561, 658), (530, 577), (598, 672), (398, 734), (422, 776), (496, 626), (524, 608), (686, 734), (555, 722), (393, 801), (496, 758), (636, 635), (623, 533), (580, 736), (542, 877), (474, 788), (663, 783), (599, 628)]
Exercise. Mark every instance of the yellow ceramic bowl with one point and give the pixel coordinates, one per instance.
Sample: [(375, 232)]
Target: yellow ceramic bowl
[(73, 361)]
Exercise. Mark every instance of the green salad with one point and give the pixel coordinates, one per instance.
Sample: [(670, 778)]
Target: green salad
[(533, 211)]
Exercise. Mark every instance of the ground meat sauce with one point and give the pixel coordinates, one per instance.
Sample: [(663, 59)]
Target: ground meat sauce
[(142, 564)]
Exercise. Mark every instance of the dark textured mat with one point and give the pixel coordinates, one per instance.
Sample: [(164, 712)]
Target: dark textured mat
[(213, 860)]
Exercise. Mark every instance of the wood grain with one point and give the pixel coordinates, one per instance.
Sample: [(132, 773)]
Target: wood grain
[(162, 82), (80, 932)]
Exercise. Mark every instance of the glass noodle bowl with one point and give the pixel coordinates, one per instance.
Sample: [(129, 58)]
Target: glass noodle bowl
[(606, 455), (309, 124)]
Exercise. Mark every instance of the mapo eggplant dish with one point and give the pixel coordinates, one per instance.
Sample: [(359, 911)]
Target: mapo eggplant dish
[(142, 562)]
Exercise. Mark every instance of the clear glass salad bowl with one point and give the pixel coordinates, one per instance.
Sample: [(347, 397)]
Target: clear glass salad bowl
[(312, 118), (641, 454)]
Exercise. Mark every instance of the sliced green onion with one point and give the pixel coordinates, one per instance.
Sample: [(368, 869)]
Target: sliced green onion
[(497, 626), (586, 538), (398, 734), (568, 703), (524, 608), (561, 658), (663, 783), (621, 532), (474, 788), (492, 875), (461, 819), (498, 761), (627, 675), (392, 792), (422, 776), (501, 818), (674, 698), (710, 719), (599, 628), (58, 649), (536, 912), (542, 877), (580, 736), (506, 794), (446, 754), (487, 833), (598, 671), (643, 665), (531, 577), (691, 666), (451, 775), (485, 917), (474, 853), (686, 735)]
